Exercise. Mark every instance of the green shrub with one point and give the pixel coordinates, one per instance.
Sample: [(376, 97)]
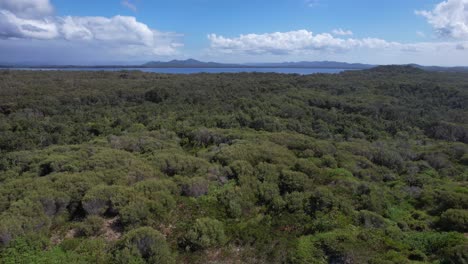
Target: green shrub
[(149, 187), (34, 249), (143, 245), (266, 172), (371, 220), (432, 243), (195, 187), (307, 252), (291, 181), (91, 226), (454, 220), (177, 164), (205, 233), (108, 200), (455, 255), (143, 212)]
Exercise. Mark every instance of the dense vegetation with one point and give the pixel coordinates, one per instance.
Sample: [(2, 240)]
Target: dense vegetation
[(131, 167)]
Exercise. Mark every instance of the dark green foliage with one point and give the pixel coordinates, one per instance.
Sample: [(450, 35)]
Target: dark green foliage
[(91, 226), (34, 249), (106, 200), (205, 233), (156, 95), (371, 220), (454, 220), (195, 187), (457, 254), (131, 167), (143, 245), (291, 181)]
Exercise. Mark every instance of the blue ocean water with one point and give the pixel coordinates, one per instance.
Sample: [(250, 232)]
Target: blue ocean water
[(302, 71)]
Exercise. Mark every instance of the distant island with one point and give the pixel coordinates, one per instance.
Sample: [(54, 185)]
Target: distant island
[(192, 63)]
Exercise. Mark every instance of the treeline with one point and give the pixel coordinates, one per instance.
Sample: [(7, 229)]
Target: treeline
[(131, 167)]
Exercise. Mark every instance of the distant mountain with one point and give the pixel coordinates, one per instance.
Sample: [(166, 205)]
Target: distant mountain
[(191, 63), (316, 64), (440, 69), (416, 68)]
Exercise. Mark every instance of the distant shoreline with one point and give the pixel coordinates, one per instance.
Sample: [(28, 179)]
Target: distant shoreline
[(191, 70), (176, 67)]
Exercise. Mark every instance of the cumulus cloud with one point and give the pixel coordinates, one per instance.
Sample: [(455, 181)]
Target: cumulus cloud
[(449, 19), (293, 42), (12, 26), (341, 32), (28, 8), (120, 33)]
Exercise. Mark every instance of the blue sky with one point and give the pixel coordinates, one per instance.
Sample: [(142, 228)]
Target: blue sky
[(430, 32)]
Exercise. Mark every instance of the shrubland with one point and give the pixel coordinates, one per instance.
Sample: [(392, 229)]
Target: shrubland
[(131, 167)]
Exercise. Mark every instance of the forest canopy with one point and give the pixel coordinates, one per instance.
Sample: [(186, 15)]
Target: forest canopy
[(131, 167)]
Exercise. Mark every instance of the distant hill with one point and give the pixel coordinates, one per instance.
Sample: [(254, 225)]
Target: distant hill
[(190, 63), (316, 64), (440, 69)]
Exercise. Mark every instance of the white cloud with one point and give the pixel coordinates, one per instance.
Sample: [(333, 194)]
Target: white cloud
[(128, 4), (12, 26), (449, 19), (123, 34), (122, 29), (341, 32), (28, 8), (293, 42)]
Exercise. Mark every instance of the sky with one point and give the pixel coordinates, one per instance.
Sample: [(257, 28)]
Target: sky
[(427, 32)]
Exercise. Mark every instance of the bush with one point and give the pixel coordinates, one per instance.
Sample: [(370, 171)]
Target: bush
[(306, 252), (295, 201), (195, 187), (23, 217), (178, 164), (455, 255), (432, 243), (156, 95), (266, 172), (387, 157), (205, 233), (241, 168), (454, 220), (231, 199), (143, 212), (37, 249), (322, 199), (149, 187), (464, 159), (291, 181), (371, 220), (91, 226), (106, 200), (143, 245)]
